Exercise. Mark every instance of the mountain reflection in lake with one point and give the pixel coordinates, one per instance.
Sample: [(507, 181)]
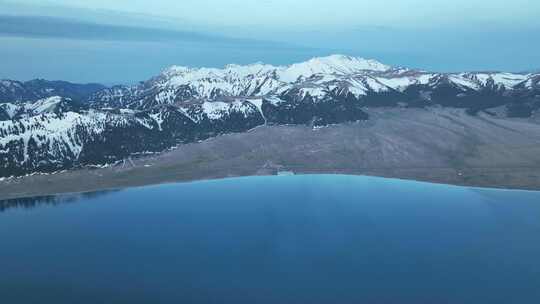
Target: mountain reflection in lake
[(286, 239), (51, 200)]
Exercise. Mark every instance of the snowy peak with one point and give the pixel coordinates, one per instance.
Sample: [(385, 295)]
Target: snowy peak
[(319, 78), (348, 64), (334, 64), (229, 70), (49, 105), (331, 65), (340, 64), (256, 79), (501, 79)]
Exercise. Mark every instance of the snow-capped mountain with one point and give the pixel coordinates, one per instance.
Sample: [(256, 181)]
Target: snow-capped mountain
[(54, 104), (182, 83), (184, 105), (52, 141), (331, 77)]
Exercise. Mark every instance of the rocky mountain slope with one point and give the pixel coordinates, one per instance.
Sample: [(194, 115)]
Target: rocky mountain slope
[(46, 128)]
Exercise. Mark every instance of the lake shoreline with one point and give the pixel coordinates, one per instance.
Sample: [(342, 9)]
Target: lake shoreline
[(443, 147), (37, 188)]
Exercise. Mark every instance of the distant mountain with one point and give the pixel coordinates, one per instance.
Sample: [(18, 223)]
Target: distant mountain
[(55, 104), (335, 77), (92, 125), (16, 91)]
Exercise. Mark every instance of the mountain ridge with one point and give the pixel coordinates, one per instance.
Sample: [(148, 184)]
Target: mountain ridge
[(316, 76), (184, 105), (32, 90)]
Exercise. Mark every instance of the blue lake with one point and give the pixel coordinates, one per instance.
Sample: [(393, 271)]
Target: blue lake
[(286, 239)]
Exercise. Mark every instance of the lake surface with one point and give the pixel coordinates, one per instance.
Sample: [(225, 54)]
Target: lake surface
[(284, 239)]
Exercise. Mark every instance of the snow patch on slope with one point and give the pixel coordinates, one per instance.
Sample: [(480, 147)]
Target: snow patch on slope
[(10, 109), (45, 105), (50, 131)]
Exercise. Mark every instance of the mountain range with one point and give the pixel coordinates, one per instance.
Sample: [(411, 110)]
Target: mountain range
[(47, 126)]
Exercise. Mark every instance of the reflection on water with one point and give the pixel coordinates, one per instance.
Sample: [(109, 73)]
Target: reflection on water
[(287, 239), (49, 200), (54, 200)]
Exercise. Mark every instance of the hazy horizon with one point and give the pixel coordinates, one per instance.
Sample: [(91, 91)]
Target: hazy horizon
[(129, 41)]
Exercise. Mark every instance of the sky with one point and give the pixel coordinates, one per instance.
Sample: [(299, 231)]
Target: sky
[(125, 41)]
